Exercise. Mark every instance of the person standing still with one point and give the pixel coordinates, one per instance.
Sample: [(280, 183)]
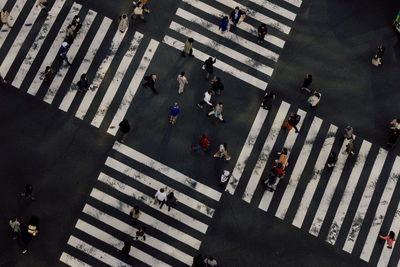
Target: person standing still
[(262, 31), (188, 48), (307, 82), (123, 23), (124, 127), (4, 17), (160, 197), (206, 99), (182, 81), (174, 110), (15, 226), (150, 82), (208, 66)]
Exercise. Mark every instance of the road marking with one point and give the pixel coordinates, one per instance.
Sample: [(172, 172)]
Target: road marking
[(156, 185), (37, 44), (62, 72), (53, 50), (15, 11), (101, 72), (294, 2), (265, 152), (117, 79), (149, 200), (133, 86), (167, 171), (381, 211), (86, 62), (365, 201), (313, 183), (276, 9), (219, 64), (348, 193), (329, 191), (147, 219), (72, 261), (298, 168)]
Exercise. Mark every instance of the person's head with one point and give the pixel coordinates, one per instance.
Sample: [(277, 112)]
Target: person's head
[(76, 18), (182, 73), (318, 95), (171, 195), (73, 27), (136, 208), (398, 120), (391, 234), (83, 76), (153, 76), (175, 104), (13, 219), (211, 258), (162, 190), (124, 16), (225, 18), (263, 25), (209, 91), (204, 136), (293, 113), (140, 4), (284, 150), (221, 104), (237, 9), (271, 93), (210, 58), (190, 40)]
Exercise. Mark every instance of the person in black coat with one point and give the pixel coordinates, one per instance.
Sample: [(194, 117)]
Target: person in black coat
[(235, 16), (262, 31), (150, 82), (208, 66), (126, 249), (83, 84), (268, 99), (307, 82), (124, 127), (216, 85)]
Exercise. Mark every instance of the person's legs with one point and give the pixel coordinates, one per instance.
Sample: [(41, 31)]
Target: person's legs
[(162, 203)]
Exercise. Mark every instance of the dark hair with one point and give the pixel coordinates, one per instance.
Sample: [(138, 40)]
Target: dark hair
[(124, 16), (13, 219), (171, 195), (162, 190), (210, 58), (318, 95), (220, 103), (83, 76), (218, 79), (211, 258), (137, 209), (225, 18), (237, 7), (284, 150), (263, 25), (398, 120), (391, 234), (279, 165), (190, 40), (183, 73)]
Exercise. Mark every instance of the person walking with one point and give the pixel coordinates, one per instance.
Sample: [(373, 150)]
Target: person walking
[(28, 193), (70, 34), (123, 23), (76, 22), (150, 82), (15, 227), (262, 31), (331, 160), (206, 99), (135, 214), (141, 233), (390, 238), (307, 82), (188, 48), (379, 54), (224, 178), (395, 124), (235, 16), (145, 6), (348, 133), (216, 113), (204, 144), (138, 11), (171, 201), (126, 248), (124, 127), (62, 52), (160, 197), (4, 17), (283, 157), (83, 83), (223, 25), (291, 122), (33, 225), (182, 81), (42, 4), (208, 66), (216, 85), (314, 99), (174, 111), (349, 148), (393, 136), (268, 99), (210, 261), (48, 73), (222, 152)]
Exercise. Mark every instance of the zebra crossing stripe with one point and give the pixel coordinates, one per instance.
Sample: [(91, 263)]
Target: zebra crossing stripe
[(219, 64), (149, 200), (265, 152), (348, 193), (313, 182), (289, 142), (98, 78), (244, 26), (2, 3), (129, 230), (52, 52), (228, 35), (37, 44), (298, 168), (381, 211), (86, 62), (19, 40), (275, 8), (296, 3), (147, 219), (222, 49), (62, 72), (72, 261), (15, 11), (167, 171), (116, 81), (257, 16), (246, 150), (365, 201), (114, 242), (329, 191), (133, 86), (156, 185)]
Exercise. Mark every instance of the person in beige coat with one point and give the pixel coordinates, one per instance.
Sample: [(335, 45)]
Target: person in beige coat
[(182, 81), (123, 23), (4, 17), (188, 50)]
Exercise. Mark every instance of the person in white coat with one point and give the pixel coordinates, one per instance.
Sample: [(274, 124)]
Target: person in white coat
[(314, 99), (123, 23), (182, 81)]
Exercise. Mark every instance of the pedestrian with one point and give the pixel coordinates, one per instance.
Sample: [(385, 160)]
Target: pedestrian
[(48, 72), (70, 34), (150, 82), (210, 262), (268, 99), (141, 233), (26, 239), (123, 23), (198, 261), (204, 144), (216, 113), (171, 201), (2, 81), (145, 6), (389, 239), (331, 160), (62, 52), (348, 133), (235, 16), (124, 127), (28, 193), (188, 48), (262, 31), (395, 124), (206, 99), (379, 54), (4, 17), (15, 227), (314, 99), (349, 148), (283, 157), (307, 82), (223, 25), (222, 152), (242, 17), (76, 22), (138, 11), (291, 122), (126, 248), (208, 66), (43, 5), (83, 83), (393, 136), (224, 178), (33, 225), (216, 85), (135, 214), (182, 81), (160, 197), (174, 111)]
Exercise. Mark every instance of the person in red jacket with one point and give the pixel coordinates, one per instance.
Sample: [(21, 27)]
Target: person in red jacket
[(204, 144), (389, 239)]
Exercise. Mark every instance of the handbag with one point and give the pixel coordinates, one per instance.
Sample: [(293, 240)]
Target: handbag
[(203, 67), (138, 11)]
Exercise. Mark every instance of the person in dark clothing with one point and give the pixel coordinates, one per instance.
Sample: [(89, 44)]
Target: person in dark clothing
[(208, 66), (124, 127), (126, 248), (62, 52), (379, 54), (141, 233), (28, 192), (83, 84), (331, 160), (262, 31), (171, 201), (76, 22), (235, 16), (48, 72), (216, 85), (198, 261), (307, 82), (70, 34), (292, 121), (393, 135), (150, 82), (26, 239), (268, 99)]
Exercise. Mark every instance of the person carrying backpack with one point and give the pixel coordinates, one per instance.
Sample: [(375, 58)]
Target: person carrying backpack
[(291, 122)]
